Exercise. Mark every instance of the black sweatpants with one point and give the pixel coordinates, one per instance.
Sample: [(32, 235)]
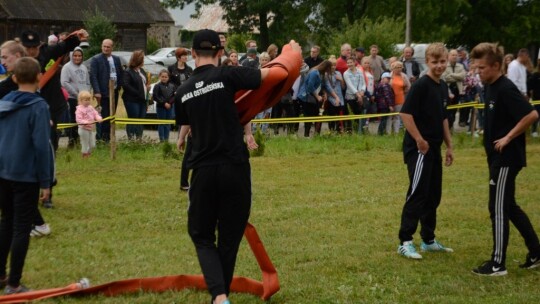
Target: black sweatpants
[(503, 208), (423, 195), (18, 202), (219, 197)]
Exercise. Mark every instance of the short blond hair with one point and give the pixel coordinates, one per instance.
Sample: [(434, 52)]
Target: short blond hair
[(265, 55), (396, 64), (84, 95), (436, 50)]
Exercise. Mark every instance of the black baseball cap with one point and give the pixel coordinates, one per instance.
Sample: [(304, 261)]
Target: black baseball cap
[(30, 39), (206, 40), (360, 49)]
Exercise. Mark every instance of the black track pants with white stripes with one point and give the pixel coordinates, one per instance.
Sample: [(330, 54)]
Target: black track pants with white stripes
[(503, 209), (423, 196)]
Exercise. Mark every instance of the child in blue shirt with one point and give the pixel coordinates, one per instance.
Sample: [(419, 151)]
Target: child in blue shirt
[(26, 164)]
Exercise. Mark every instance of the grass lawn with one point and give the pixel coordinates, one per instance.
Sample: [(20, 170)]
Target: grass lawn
[(327, 209)]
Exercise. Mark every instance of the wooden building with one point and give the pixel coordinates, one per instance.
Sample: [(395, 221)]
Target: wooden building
[(132, 18)]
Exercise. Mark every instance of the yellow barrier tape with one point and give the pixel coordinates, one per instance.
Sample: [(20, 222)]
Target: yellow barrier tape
[(144, 121)]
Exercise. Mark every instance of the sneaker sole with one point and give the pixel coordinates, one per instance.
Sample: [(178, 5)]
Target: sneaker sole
[(35, 233), (533, 266), (410, 257), (495, 274), (429, 250)]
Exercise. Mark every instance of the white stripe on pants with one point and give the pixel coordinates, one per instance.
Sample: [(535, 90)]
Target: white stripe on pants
[(499, 215)]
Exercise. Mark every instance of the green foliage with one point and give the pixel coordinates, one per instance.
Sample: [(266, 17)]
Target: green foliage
[(383, 31), (237, 41), (169, 151), (152, 45), (99, 27)]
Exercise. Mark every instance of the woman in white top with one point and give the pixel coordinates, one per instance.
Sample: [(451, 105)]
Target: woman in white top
[(369, 98), (356, 88)]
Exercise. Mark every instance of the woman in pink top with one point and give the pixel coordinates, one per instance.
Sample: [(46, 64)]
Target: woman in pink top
[(86, 116), (400, 85)]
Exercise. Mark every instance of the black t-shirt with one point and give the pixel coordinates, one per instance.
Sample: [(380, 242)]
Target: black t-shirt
[(426, 102), (206, 103), (504, 108)]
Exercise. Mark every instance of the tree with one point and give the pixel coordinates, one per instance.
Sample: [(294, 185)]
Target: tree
[(384, 32), (266, 16), (513, 24), (99, 27)]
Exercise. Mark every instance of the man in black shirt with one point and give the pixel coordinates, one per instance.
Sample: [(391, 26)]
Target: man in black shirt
[(507, 116), (425, 119), (220, 190), (313, 59)]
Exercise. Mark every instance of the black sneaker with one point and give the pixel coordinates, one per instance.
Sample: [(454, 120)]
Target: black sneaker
[(490, 268), (531, 262), (13, 290)]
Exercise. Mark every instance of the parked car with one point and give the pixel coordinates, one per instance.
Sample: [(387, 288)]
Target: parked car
[(166, 56)]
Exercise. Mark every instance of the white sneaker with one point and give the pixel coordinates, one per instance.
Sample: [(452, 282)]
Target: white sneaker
[(42, 230), (409, 251), (434, 247), (535, 134)]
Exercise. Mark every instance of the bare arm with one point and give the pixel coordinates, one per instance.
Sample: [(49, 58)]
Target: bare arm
[(184, 130), (250, 140), (408, 122), (447, 137), (520, 127)]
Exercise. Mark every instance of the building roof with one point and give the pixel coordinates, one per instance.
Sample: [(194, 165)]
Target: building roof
[(119, 11), (210, 17)]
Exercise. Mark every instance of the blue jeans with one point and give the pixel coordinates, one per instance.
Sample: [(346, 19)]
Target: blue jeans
[(135, 110), (163, 130)]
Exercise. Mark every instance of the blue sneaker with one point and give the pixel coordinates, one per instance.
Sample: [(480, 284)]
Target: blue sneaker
[(434, 247), (409, 251)]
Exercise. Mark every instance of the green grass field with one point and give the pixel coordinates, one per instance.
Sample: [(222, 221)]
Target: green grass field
[(327, 209)]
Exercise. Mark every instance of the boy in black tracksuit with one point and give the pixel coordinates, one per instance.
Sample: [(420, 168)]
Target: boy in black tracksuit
[(507, 117), (425, 119), (220, 189)]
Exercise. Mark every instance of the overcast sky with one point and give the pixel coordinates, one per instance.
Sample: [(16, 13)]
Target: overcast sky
[(181, 17)]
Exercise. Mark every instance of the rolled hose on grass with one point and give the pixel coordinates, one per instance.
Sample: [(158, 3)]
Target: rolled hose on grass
[(283, 72), (265, 289)]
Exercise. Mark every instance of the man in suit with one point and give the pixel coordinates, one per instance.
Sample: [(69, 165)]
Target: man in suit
[(103, 68)]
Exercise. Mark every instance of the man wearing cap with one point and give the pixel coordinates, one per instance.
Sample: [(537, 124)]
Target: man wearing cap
[(220, 188), (250, 44), (46, 55), (251, 59), (313, 59), (103, 68)]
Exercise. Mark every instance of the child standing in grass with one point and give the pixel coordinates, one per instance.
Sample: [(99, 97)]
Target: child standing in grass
[(508, 115), (384, 98), (163, 95), (425, 119), (26, 164), (86, 116)]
